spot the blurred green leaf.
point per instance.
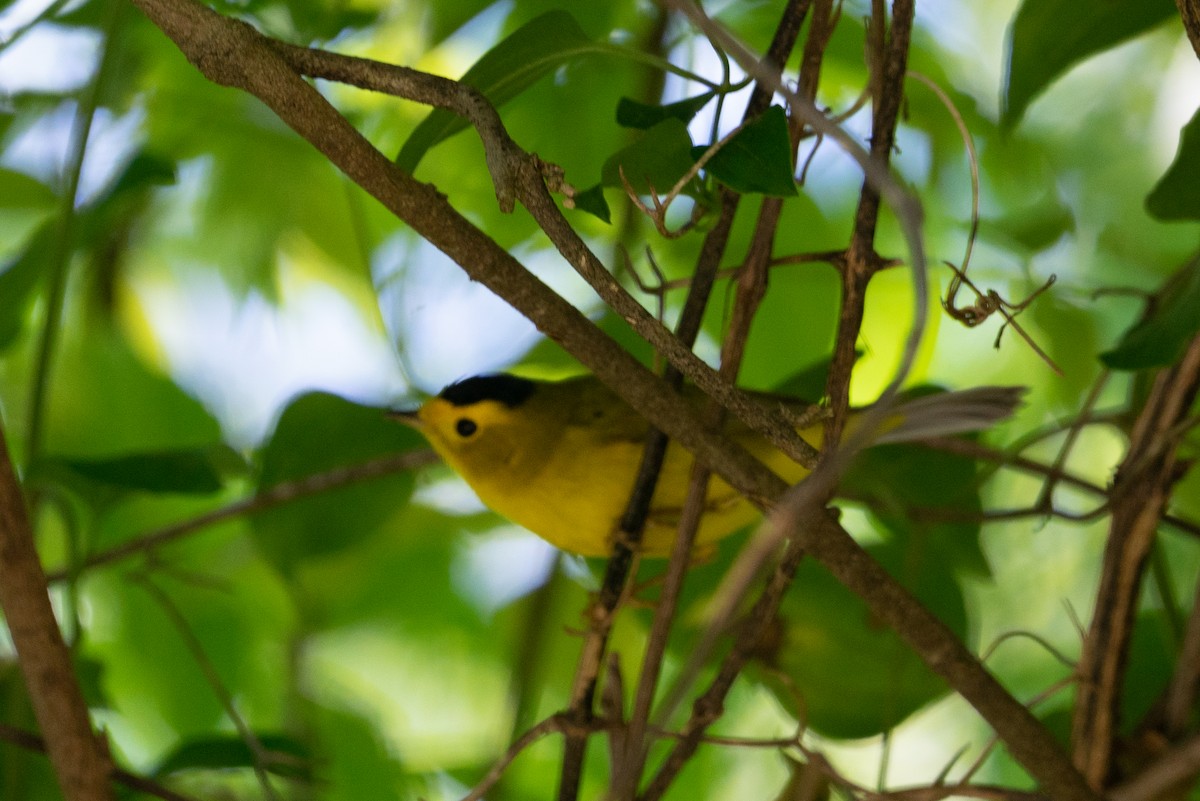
(190, 472)
(316, 433)
(21, 280)
(222, 753)
(1161, 336)
(633, 114)
(532, 51)
(856, 677)
(1145, 681)
(107, 400)
(444, 18)
(1174, 197)
(757, 159)
(1048, 37)
(19, 191)
(659, 158)
(355, 761)
(592, 201)
(927, 499)
(807, 383)
(1032, 228)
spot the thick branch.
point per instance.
(80, 759)
(234, 54)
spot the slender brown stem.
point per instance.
(80, 758)
(1140, 494)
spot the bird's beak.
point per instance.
(408, 417)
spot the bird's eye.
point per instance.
(465, 427)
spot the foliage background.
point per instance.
(195, 306)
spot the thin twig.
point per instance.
(259, 753)
(268, 499)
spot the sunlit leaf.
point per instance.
(1174, 197)
(532, 51)
(1161, 336)
(1048, 37)
(19, 191)
(758, 158)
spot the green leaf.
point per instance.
(19, 191)
(1161, 336)
(319, 432)
(222, 753)
(108, 400)
(21, 279)
(189, 472)
(632, 114)
(926, 500)
(592, 201)
(855, 677)
(1174, 197)
(659, 158)
(1048, 37)
(1031, 228)
(532, 51)
(757, 159)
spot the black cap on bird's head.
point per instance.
(500, 387)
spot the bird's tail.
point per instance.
(946, 413)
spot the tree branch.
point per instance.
(232, 53)
(79, 757)
(1139, 497)
(1189, 11)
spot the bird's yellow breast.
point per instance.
(563, 464)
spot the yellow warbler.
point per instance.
(559, 458)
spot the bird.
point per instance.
(560, 457)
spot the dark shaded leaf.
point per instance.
(592, 201)
(532, 51)
(1174, 197)
(222, 753)
(807, 383)
(1161, 336)
(1048, 37)
(856, 677)
(928, 500)
(659, 158)
(758, 158)
(317, 433)
(1031, 228)
(632, 114)
(189, 472)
